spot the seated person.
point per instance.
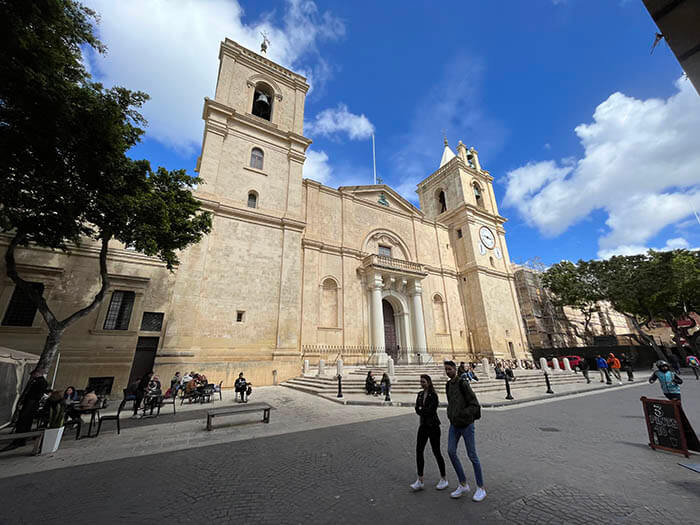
(241, 387)
(471, 375)
(70, 395)
(371, 385)
(500, 374)
(89, 400)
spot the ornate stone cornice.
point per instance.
(251, 215)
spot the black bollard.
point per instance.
(549, 387)
(340, 386)
(388, 394)
(508, 396)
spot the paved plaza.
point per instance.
(571, 460)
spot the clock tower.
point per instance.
(460, 196)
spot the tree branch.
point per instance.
(34, 296)
(100, 294)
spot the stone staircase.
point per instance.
(406, 380)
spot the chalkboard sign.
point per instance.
(668, 427)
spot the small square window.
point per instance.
(385, 251)
(239, 316)
(459, 233)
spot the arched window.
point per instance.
(262, 101)
(439, 315)
(442, 203)
(256, 158)
(252, 199)
(329, 303)
(478, 196)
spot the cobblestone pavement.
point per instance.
(578, 460)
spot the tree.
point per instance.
(64, 171)
(573, 285)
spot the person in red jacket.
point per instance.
(614, 365)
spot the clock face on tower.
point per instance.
(487, 237)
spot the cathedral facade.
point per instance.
(292, 269)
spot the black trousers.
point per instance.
(585, 374)
(630, 373)
(426, 433)
(137, 401)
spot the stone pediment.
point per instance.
(382, 195)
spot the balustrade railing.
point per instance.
(382, 261)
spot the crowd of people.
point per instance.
(372, 388)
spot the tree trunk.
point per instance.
(56, 327)
(645, 337)
(51, 346)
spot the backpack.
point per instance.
(463, 385)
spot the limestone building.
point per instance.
(292, 269)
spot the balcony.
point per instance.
(383, 263)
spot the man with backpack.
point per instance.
(694, 365)
(462, 410)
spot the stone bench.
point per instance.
(36, 435)
(239, 409)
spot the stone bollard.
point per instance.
(321, 367)
(487, 367)
(543, 364)
(339, 367)
(305, 370)
(567, 365)
(555, 364)
(390, 366)
(521, 365)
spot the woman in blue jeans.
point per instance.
(462, 410)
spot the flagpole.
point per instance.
(374, 160)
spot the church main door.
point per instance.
(390, 339)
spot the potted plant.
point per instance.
(54, 430)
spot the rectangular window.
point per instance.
(119, 313)
(239, 316)
(384, 251)
(459, 234)
(21, 310)
(152, 321)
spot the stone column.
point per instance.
(487, 367)
(419, 342)
(555, 364)
(543, 364)
(339, 367)
(375, 287)
(390, 367)
(321, 367)
(567, 365)
(305, 370)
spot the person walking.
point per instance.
(462, 410)
(694, 365)
(584, 367)
(670, 381)
(627, 366)
(614, 365)
(603, 369)
(427, 403)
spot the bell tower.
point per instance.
(460, 196)
(253, 147)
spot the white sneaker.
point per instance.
(442, 484)
(417, 485)
(461, 489)
(479, 495)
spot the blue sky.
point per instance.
(594, 142)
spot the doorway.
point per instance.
(145, 356)
(390, 340)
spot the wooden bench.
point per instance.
(239, 409)
(36, 435)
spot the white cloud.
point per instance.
(641, 165)
(317, 167)
(339, 120)
(170, 50)
(677, 243)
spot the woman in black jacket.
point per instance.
(429, 429)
